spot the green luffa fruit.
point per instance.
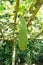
(22, 34)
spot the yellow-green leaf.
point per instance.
(1, 8)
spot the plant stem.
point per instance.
(38, 34)
(14, 43)
(13, 57)
(34, 13)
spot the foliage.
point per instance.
(24, 56)
(10, 27)
(5, 52)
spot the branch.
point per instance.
(15, 16)
(34, 13)
(31, 6)
(38, 35)
(16, 11)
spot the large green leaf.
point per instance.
(22, 34)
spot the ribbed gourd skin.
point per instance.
(22, 34)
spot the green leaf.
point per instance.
(0, 25)
(1, 8)
(22, 8)
(22, 34)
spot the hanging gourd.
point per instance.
(22, 34)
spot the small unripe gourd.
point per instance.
(22, 34)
